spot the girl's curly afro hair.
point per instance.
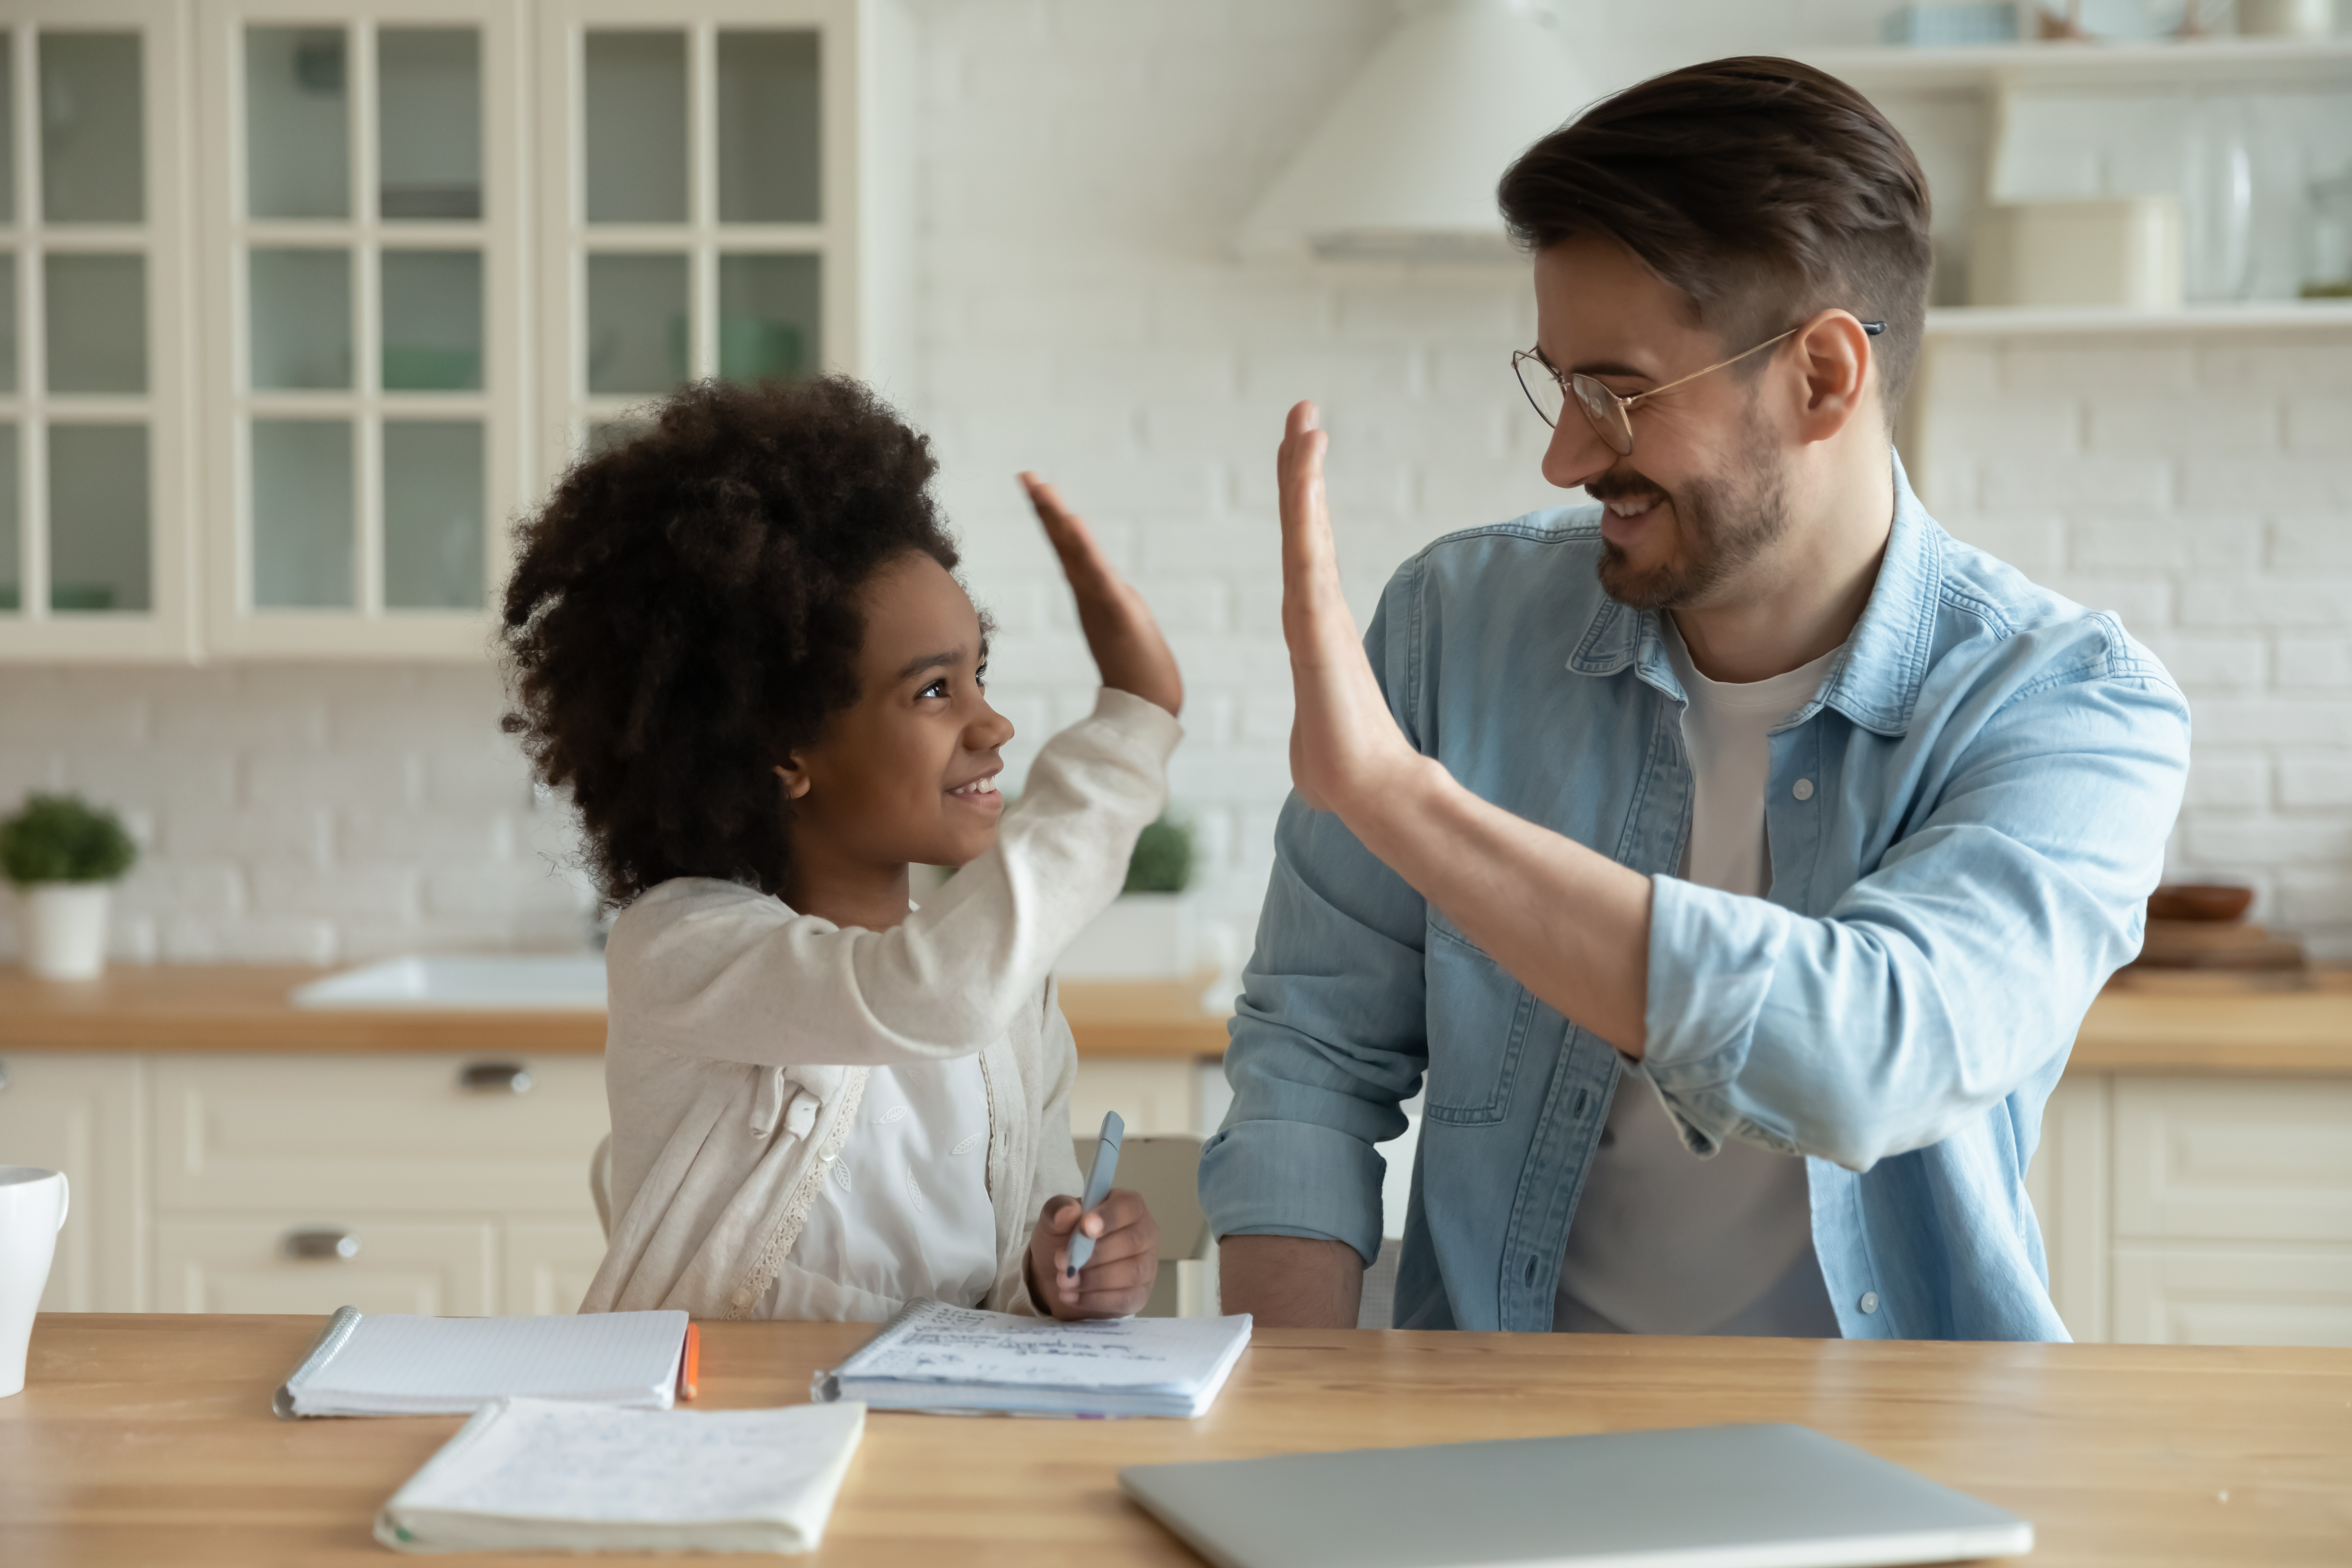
(685, 612)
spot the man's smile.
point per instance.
(1624, 518)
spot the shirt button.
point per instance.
(743, 1299)
(1803, 789)
(1869, 1302)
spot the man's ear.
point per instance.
(796, 776)
(1833, 354)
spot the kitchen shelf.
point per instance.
(2256, 315)
(2251, 62)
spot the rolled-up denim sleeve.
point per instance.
(1959, 967)
(1328, 1037)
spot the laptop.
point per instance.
(1696, 1496)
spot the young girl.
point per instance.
(739, 643)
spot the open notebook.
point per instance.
(538, 1475)
(931, 1356)
(395, 1365)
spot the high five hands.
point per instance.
(1345, 746)
(1129, 651)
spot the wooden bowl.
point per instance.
(2199, 901)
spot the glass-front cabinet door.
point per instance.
(365, 363)
(95, 474)
(703, 221)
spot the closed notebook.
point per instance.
(529, 1474)
(395, 1365)
(932, 1356)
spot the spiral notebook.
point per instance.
(395, 1365)
(961, 1361)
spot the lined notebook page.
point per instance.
(398, 1362)
(568, 1461)
(527, 1474)
(933, 1343)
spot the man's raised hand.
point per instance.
(1128, 650)
(1343, 741)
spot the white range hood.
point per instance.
(1404, 166)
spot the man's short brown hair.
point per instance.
(1763, 189)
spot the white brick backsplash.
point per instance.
(2153, 541)
(1078, 312)
(2323, 781)
(2197, 661)
(2229, 783)
(2318, 542)
(2315, 664)
(2215, 482)
(2210, 600)
(2038, 483)
(2123, 424)
(2099, 367)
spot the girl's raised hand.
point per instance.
(1125, 640)
(1117, 1280)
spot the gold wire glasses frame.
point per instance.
(1609, 415)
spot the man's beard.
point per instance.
(1721, 528)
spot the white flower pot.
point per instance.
(1142, 936)
(65, 930)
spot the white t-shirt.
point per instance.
(904, 1209)
(1664, 1242)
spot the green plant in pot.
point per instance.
(64, 855)
(1153, 931)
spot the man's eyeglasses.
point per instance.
(1611, 415)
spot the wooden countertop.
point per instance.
(243, 1007)
(145, 1439)
(2158, 1024)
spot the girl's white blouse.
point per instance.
(904, 1210)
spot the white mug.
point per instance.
(31, 1212)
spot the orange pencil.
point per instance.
(689, 1363)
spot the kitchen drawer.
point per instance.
(549, 1263)
(353, 1135)
(436, 1267)
(2233, 1159)
(2175, 1293)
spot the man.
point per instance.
(1736, 857)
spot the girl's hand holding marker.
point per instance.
(1101, 1253)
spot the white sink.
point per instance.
(489, 983)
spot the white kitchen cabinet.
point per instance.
(377, 1134)
(2211, 1293)
(430, 1267)
(2205, 1210)
(2068, 1184)
(704, 218)
(436, 248)
(549, 1264)
(85, 1116)
(366, 189)
(296, 1183)
(97, 458)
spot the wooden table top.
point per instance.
(2167, 1023)
(143, 1440)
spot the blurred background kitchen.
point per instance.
(301, 304)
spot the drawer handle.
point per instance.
(489, 1078)
(321, 1246)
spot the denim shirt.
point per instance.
(1964, 823)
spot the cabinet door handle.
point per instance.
(489, 1078)
(321, 1246)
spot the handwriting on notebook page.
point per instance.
(953, 1344)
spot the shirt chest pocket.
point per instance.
(1478, 1023)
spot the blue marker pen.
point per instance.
(1098, 1180)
